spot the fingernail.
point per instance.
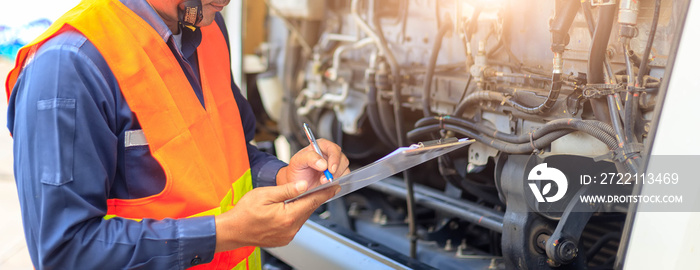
(334, 168)
(300, 186)
(337, 190)
(319, 163)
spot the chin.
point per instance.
(208, 19)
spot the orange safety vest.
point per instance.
(202, 152)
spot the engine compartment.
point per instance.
(565, 82)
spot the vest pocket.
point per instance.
(57, 134)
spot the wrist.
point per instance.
(226, 238)
(281, 177)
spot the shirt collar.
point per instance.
(190, 39)
(146, 12)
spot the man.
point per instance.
(131, 145)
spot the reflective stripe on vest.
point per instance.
(202, 152)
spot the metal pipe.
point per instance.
(367, 29)
(333, 71)
(521, 75)
(628, 12)
(469, 211)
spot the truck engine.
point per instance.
(569, 83)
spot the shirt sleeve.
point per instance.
(62, 117)
(263, 166)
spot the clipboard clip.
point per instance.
(438, 142)
(436, 145)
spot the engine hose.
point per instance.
(650, 43)
(602, 126)
(597, 129)
(547, 104)
(386, 113)
(600, 243)
(563, 19)
(428, 81)
(596, 57)
(507, 147)
(473, 188)
(628, 161)
(512, 138)
(560, 28)
(582, 126)
(395, 84)
(632, 106)
(372, 109)
(398, 117)
(500, 97)
(379, 39)
(605, 111)
(628, 119)
(477, 97)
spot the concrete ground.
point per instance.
(13, 248)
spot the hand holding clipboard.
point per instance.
(397, 161)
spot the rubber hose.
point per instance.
(628, 119)
(479, 96)
(428, 81)
(372, 110)
(548, 103)
(650, 43)
(400, 137)
(473, 188)
(597, 129)
(596, 58)
(498, 144)
(499, 97)
(631, 109)
(563, 19)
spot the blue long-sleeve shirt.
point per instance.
(68, 119)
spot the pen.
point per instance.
(312, 141)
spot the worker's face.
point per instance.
(168, 10)
(209, 9)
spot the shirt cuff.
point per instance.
(267, 175)
(197, 237)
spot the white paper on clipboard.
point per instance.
(400, 160)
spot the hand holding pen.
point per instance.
(314, 144)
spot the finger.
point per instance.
(308, 148)
(285, 192)
(310, 202)
(323, 179)
(333, 154)
(344, 165)
(346, 172)
(308, 159)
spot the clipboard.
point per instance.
(397, 161)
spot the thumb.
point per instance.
(287, 191)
